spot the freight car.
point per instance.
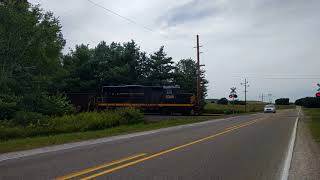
(163, 99)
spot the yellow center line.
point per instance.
(167, 151)
(99, 167)
(250, 122)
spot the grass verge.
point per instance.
(314, 125)
(214, 108)
(36, 142)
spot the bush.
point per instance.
(34, 124)
(7, 110)
(282, 101)
(54, 105)
(24, 118)
(237, 102)
(309, 102)
(130, 116)
(84, 122)
(223, 101)
(213, 111)
(8, 106)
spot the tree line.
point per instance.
(35, 74)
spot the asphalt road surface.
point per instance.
(246, 147)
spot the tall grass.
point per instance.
(314, 114)
(87, 121)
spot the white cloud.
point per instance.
(248, 38)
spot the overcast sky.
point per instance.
(272, 43)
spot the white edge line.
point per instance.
(287, 162)
(55, 148)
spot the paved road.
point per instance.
(245, 147)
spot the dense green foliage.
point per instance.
(237, 102)
(30, 52)
(185, 76)
(223, 101)
(29, 124)
(35, 74)
(282, 101)
(309, 102)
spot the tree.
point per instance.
(143, 69)
(185, 75)
(309, 102)
(223, 101)
(282, 101)
(79, 68)
(30, 52)
(31, 44)
(161, 68)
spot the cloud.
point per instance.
(190, 11)
(248, 38)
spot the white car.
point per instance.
(270, 108)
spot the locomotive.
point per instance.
(162, 99)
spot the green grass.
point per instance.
(227, 109)
(314, 125)
(28, 126)
(35, 142)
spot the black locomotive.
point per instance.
(163, 99)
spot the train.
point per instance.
(161, 99)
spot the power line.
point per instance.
(121, 16)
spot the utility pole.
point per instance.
(262, 98)
(199, 90)
(246, 85)
(270, 98)
(198, 71)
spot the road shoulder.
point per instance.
(306, 156)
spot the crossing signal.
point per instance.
(233, 93)
(233, 96)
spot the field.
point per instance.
(213, 108)
(314, 125)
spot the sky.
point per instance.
(273, 44)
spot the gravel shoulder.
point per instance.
(305, 163)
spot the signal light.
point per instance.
(318, 94)
(233, 96)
